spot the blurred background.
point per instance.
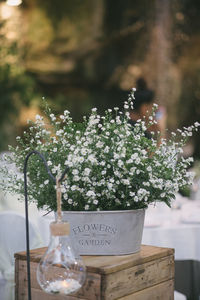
(89, 53)
(83, 54)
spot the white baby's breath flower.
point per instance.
(87, 171)
(59, 132)
(90, 194)
(92, 158)
(117, 201)
(106, 150)
(109, 185)
(126, 181)
(129, 161)
(75, 172)
(54, 170)
(52, 116)
(84, 151)
(76, 178)
(132, 194)
(65, 196)
(38, 117)
(118, 120)
(73, 187)
(120, 163)
(136, 199)
(116, 156)
(111, 164)
(99, 144)
(80, 159)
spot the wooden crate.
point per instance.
(146, 275)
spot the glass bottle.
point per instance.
(61, 270)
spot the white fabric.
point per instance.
(9, 202)
(12, 234)
(177, 228)
(12, 240)
(179, 296)
(195, 195)
(43, 223)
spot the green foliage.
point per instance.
(111, 165)
(185, 192)
(189, 104)
(16, 86)
(74, 10)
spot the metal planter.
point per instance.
(106, 232)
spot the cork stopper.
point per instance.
(59, 228)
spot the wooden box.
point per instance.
(146, 275)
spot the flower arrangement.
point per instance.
(112, 165)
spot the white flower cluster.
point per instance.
(111, 165)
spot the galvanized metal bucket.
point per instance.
(106, 232)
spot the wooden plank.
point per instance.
(109, 264)
(161, 291)
(40, 295)
(35, 254)
(16, 279)
(136, 278)
(91, 289)
(112, 277)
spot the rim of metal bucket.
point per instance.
(104, 211)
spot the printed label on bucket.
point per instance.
(106, 233)
(94, 234)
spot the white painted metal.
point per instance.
(106, 232)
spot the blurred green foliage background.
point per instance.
(80, 54)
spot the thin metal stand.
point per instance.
(26, 209)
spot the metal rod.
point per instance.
(63, 174)
(27, 231)
(26, 212)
